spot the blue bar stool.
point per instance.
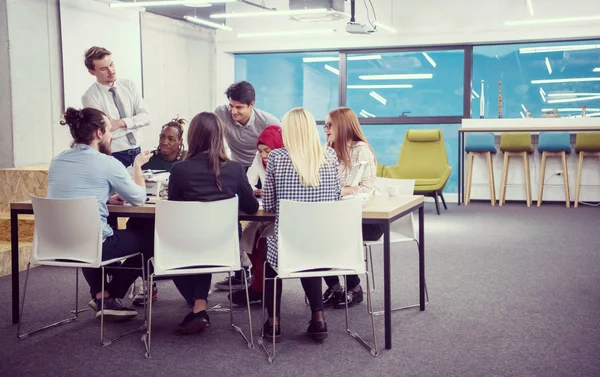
(480, 144)
(554, 144)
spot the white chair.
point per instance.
(197, 238)
(402, 230)
(68, 233)
(322, 236)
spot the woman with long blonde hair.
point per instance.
(304, 171)
(345, 136)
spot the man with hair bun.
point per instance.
(120, 100)
(88, 170)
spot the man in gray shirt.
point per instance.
(243, 122)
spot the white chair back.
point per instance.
(66, 231)
(196, 234)
(390, 187)
(315, 235)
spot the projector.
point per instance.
(356, 28)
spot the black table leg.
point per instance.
(14, 255)
(421, 259)
(387, 294)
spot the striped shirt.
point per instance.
(283, 183)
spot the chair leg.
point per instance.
(443, 200)
(578, 183)
(470, 159)
(527, 179)
(542, 177)
(563, 157)
(491, 178)
(52, 325)
(437, 203)
(148, 336)
(373, 350)
(504, 178)
(250, 343)
(270, 358)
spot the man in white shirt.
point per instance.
(120, 100)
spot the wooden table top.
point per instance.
(377, 208)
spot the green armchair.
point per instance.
(423, 158)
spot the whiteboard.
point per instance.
(87, 23)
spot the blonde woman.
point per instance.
(305, 171)
(346, 138)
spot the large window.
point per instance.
(286, 80)
(412, 84)
(539, 78)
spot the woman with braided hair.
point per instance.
(170, 147)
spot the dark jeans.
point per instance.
(312, 289)
(193, 287)
(121, 243)
(371, 232)
(127, 156)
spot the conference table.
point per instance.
(379, 210)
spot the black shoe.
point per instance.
(317, 329)
(353, 298)
(114, 310)
(268, 333)
(194, 323)
(239, 297)
(329, 298)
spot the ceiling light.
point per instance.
(426, 55)
(318, 59)
(551, 20)
(543, 94)
(363, 115)
(284, 33)
(524, 108)
(571, 94)
(398, 76)
(548, 66)
(271, 13)
(530, 7)
(332, 69)
(201, 5)
(522, 115)
(554, 81)
(160, 3)
(474, 93)
(393, 86)
(378, 97)
(596, 69)
(367, 113)
(200, 21)
(545, 49)
(385, 27)
(576, 99)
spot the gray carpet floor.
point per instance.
(514, 291)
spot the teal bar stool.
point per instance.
(554, 144)
(480, 144)
(587, 144)
(514, 144)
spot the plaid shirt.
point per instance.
(282, 182)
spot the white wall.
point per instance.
(6, 144)
(179, 72)
(36, 82)
(179, 64)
